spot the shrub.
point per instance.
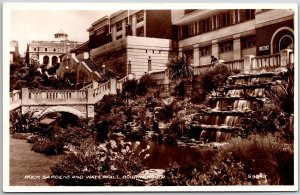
(263, 154)
(114, 159)
(48, 146)
(214, 78)
(269, 119)
(241, 162)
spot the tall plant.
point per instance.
(180, 70)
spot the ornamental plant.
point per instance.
(109, 163)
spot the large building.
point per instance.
(139, 41)
(232, 34)
(48, 52)
(134, 41)
(14, 50)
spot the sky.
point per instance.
(26, 26)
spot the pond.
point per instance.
(162, 154)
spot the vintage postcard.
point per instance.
(150, 97)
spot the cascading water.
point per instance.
(241, 105)
(231, 121)
(258, 92)
(235, 92)
(218, 105)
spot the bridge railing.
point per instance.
(15, 99)
(57, 94)
(101, 88)
(268, 61)
(121, 82)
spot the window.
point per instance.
(226, 46)
(119, 26)
(140, 17)
(119, 37)
(247, 14)
(189, 53)
(248, 42)
(45, 49)
(100, 31)
(54, 50)
(205, 51)
(190, 30)
(140, 32)
(34, 49)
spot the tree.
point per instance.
(129, 90)
(180, 70)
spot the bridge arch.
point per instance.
(59, 109)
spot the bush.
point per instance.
(214, 78)
(257, 160)
(269, 119)
(114, 159)
(48, 146)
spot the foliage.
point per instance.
(110, 161)
(49, 146)
(180, 68)
(239, 163)
(107, 103)
(214, 78)
(177, 127)
(283, 94)
(269, 119)
(145, 82)
(275, 157)
(25, 123)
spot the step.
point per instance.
(225, 113)
(256, 75)
(249, 86)
(221, 128)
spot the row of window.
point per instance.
(46, 49)
(220, 20)
(139, 33)
(227, 46)
(139, 18)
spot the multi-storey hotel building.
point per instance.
(139, 41)
(233, 34)
(134, 41)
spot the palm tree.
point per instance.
(180, 70)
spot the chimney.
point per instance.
(86, 55)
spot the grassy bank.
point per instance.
(25, 162)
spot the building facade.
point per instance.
(232, 34)
(134, 41)
(48, 52)
(139, 41)
(14, 50)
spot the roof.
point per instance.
(47, 121)
(81, 48)
(60, 31)
(91, 65)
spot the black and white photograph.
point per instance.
(150, 97)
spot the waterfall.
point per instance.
(231, 120)
(203, 135)
(218, 105)
(235, 92)
(218, 135)
(258, 92)
(222, 136)
(241, 105)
